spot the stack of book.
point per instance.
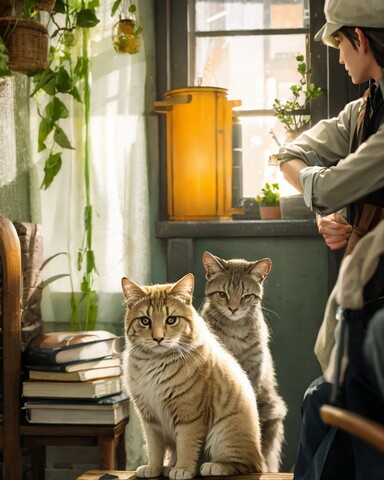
(74, 378)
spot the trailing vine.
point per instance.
(67, 77)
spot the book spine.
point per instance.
(38, 356)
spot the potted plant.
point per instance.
(126, 32)
(269, 201)
(294, 113)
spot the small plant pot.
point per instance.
(126, 36)
(270, 213)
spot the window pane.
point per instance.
(254, 69)
(214, 15)
(257, 146)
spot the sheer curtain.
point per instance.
(119, 176)
(119, 179)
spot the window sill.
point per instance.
(237, 228)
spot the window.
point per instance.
(249, 47)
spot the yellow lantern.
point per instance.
(199, 153)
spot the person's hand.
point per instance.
(335, 230)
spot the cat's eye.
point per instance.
(145, 321)
(248, 296)
(171, 320)
(222, 294)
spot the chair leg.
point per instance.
(106, 453)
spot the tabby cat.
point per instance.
(195, 403)
(232, 308)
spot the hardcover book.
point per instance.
(105, 411)
(89, 389)
(79, 376)
(64, 347)
(79, 366)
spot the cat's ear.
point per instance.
(261, 268)
(212, 264)
(132, 292)
(184, 288)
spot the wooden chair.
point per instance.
(10, 441)
(14, 431)
(361, 427)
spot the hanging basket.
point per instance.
(45, 5)
(26, 42)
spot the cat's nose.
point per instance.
(232, 310)
(158, 340)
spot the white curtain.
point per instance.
(119, 179)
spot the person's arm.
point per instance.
(329, 185)
(291, 171)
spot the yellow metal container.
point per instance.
(199, 152)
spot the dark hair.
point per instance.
(375, 38)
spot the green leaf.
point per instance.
(45, 80)
(51, 169)
(79, 67)
(56, 109)
(45, 128)
(4, 59)
(115, 7)
(60, 6)
(75, 94)
(79, 260)
(63, 80)
(61, 138)
(29, 8)
(85, 285)
(90, 261)
(86, 18)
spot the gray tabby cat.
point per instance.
(232, 308)
(194, 400)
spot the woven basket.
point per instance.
(46, 5)
(26, 42)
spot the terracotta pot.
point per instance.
(270, 213)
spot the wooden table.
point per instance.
(96, 474)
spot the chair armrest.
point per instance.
(357, 425)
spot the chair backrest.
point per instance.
(11, 349)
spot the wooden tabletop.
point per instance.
(98, 475)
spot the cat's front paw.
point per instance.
(180, 473)
(211, 469)
(149, 471)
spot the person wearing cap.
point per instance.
(338, 165)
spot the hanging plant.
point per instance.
(24, 38)
(67, 77)
(126, 32)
